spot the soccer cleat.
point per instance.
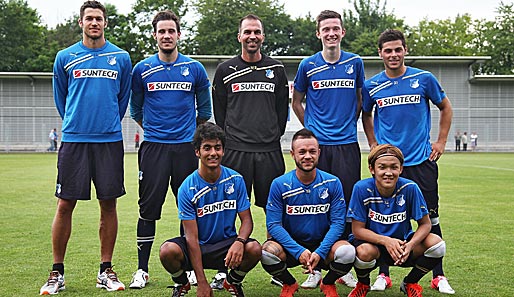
(275, 281)
(217, 281)
(441, 283)
(347, 280)
(289, 290)
(139, 279)
(312, 281)
(412, 290)
(180, 290)
(234, 289)
(53, 285)
(360, 290)
(382, 282)
(191, 277)
(109, 280)
(329, 290)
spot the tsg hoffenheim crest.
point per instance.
(229, 188)
(184, 70)
(323, 193)
(400, 200)
(348, 69)
(111, 60)
(270, 74)
(414, 83)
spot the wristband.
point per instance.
(241, 240)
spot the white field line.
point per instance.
(483, 167)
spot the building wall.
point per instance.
(27, 111)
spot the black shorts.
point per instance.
(213, 255)
(291, 261)
(385, 258)
(161, 166)
(426, 175)
(259, 169)
(343, 161)
(80, 163)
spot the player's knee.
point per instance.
(344, 254)
(169, 250)
(364, 264)
(268, 258)
(253, 249)
(438, 250)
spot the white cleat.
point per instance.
(139, 279)
(348, 280)
(313, 281)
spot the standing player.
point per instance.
(170, 95)
(401, 97)
(91, 92)
(331, 81)
(381, 209)
(305, 218)
(208, 202)
(251, 102)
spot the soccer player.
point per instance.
(208, 202)
(305, 217)
(331, 82)
(170, 96)
(91, 88)
(381, 209)
(401, 96)
(251, 101)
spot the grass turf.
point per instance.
(475, 209)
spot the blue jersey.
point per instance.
(91, 91)
(313, 213)
(331, 96)
(402, 111)
(388, 216)
(213, 206)
(165, 96)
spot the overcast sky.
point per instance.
(56, 11)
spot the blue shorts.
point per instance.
(213, 255)
(80, 163)
(426, 175)
(161, 166)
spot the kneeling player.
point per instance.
(381, 209)
(208, 202)
(305, 217)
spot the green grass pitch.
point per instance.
(477, 218)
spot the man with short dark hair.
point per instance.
(305, 218)
(170, 96)
(209, 201)
(91, 92)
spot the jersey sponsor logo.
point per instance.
(295, 210)
(398, 100)
(95, 73)
(333, 84)
(253, 87)
(387, 219)
(216, 207)
(169, 86)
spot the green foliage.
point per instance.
(21, 37)
(365, 25)
(303, 40)
(218, 25)
(497, 40)
(444, 37)
(475, 209)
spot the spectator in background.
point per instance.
(136, 140)
(464, 140)
(473, 139)
(458, 138)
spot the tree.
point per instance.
(444, 37)
(496, 39)
(302, 39)
(21, 36)
(364, 27)
(217, 29)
